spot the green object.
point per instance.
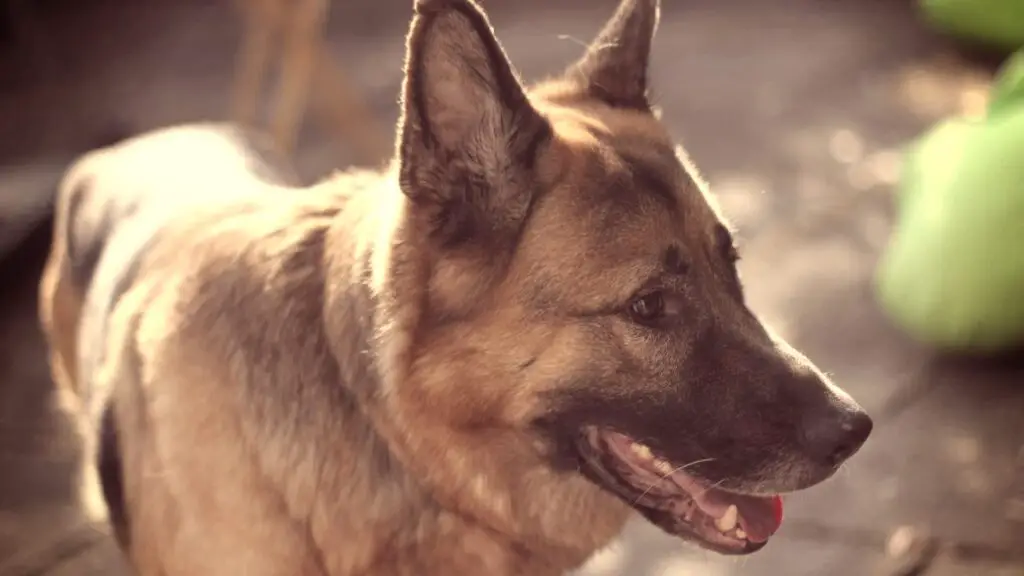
(997, 23)
(953, 272)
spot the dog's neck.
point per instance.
(373, 360)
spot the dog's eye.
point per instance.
(648, 307)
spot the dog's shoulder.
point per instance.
(242, 282)
(229, 334)
(179, 218)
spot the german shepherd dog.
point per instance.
(480, 360)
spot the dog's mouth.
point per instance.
(674, 499)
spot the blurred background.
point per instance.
(798, 113)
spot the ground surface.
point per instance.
(795, 111)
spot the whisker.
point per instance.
(685, 466)
(712, 487)
(678, 469)
(572, 39)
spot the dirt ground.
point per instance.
(796, 111)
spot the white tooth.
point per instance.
(662, 466)
(728, 520)
(641, 450)
(741, 534)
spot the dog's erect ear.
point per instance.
(614, 68)
(468, 134)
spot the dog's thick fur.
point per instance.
(388, 373)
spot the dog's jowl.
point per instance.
(479, 360)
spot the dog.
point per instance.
(293, 30)
(480, 360)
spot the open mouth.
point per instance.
(674, 499)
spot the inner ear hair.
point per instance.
(468, 134)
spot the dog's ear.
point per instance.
(614, 68)
(468, 134)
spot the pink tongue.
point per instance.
(759, 517)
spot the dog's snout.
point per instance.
(832, 439)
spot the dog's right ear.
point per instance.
(468, 134)
(614, 68)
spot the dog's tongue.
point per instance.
(759, 517)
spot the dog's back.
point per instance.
(130, 190)
(111, 204)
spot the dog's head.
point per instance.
(564, 287)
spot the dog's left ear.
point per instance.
(468, 135)
(614, 68)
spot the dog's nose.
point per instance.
(831, 440)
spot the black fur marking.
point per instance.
(109, 467)
(84, 245)
(674, 261)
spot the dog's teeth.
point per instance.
(663, 467)
(728, 520)
(641, 450)
(741, 534)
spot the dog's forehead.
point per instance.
(622, 174)
(618, 201)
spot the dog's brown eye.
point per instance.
(648, 307)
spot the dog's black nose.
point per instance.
(831, 439)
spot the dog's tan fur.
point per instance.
(332, 381)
